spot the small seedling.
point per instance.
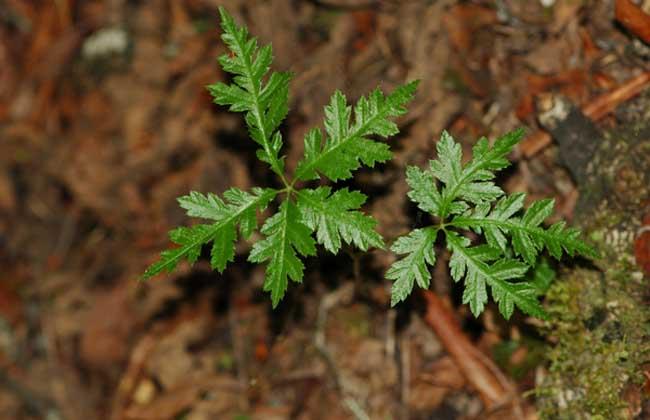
(469, 200)
(331, 215)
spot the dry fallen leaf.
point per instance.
(107, 328)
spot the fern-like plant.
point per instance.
(333, 216)
(469, 200)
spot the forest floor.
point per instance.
(105, 120)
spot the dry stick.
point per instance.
(633, 18)
(606, 103)
(405, 379)
(481, 373)
(596, 109)
(342, 295)
(130, 378)
(240, 355)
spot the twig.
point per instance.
(390, 342)
(238, 350)
(481, 373)
(129, 380)
(595, 109)
(405, 377)
(355, 408)
(606, 103)
(356, 270)
(342, 295)
(634, 19)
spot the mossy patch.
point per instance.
(597, 324)
(600, 323)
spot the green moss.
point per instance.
(600, 323)
(595, 323)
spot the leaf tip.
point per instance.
(225, 17)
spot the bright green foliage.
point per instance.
(482, 265)
(347, 144)
(334, 216)
(265, 104)
(305, 216)
(528, 237)
(418, 248)
(469, 200)
(541, 276)
(240, 208)
(286, 235)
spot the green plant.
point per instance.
(469, 200)
(332, 216)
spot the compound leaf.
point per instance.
(240, 208)
(423, 191)
(265, 105)
(474, 264)
(347, 145)
(470, 183)
(286, 237)
(528, 237)
(418, 248)
(334, 218)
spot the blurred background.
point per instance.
(105, 120)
